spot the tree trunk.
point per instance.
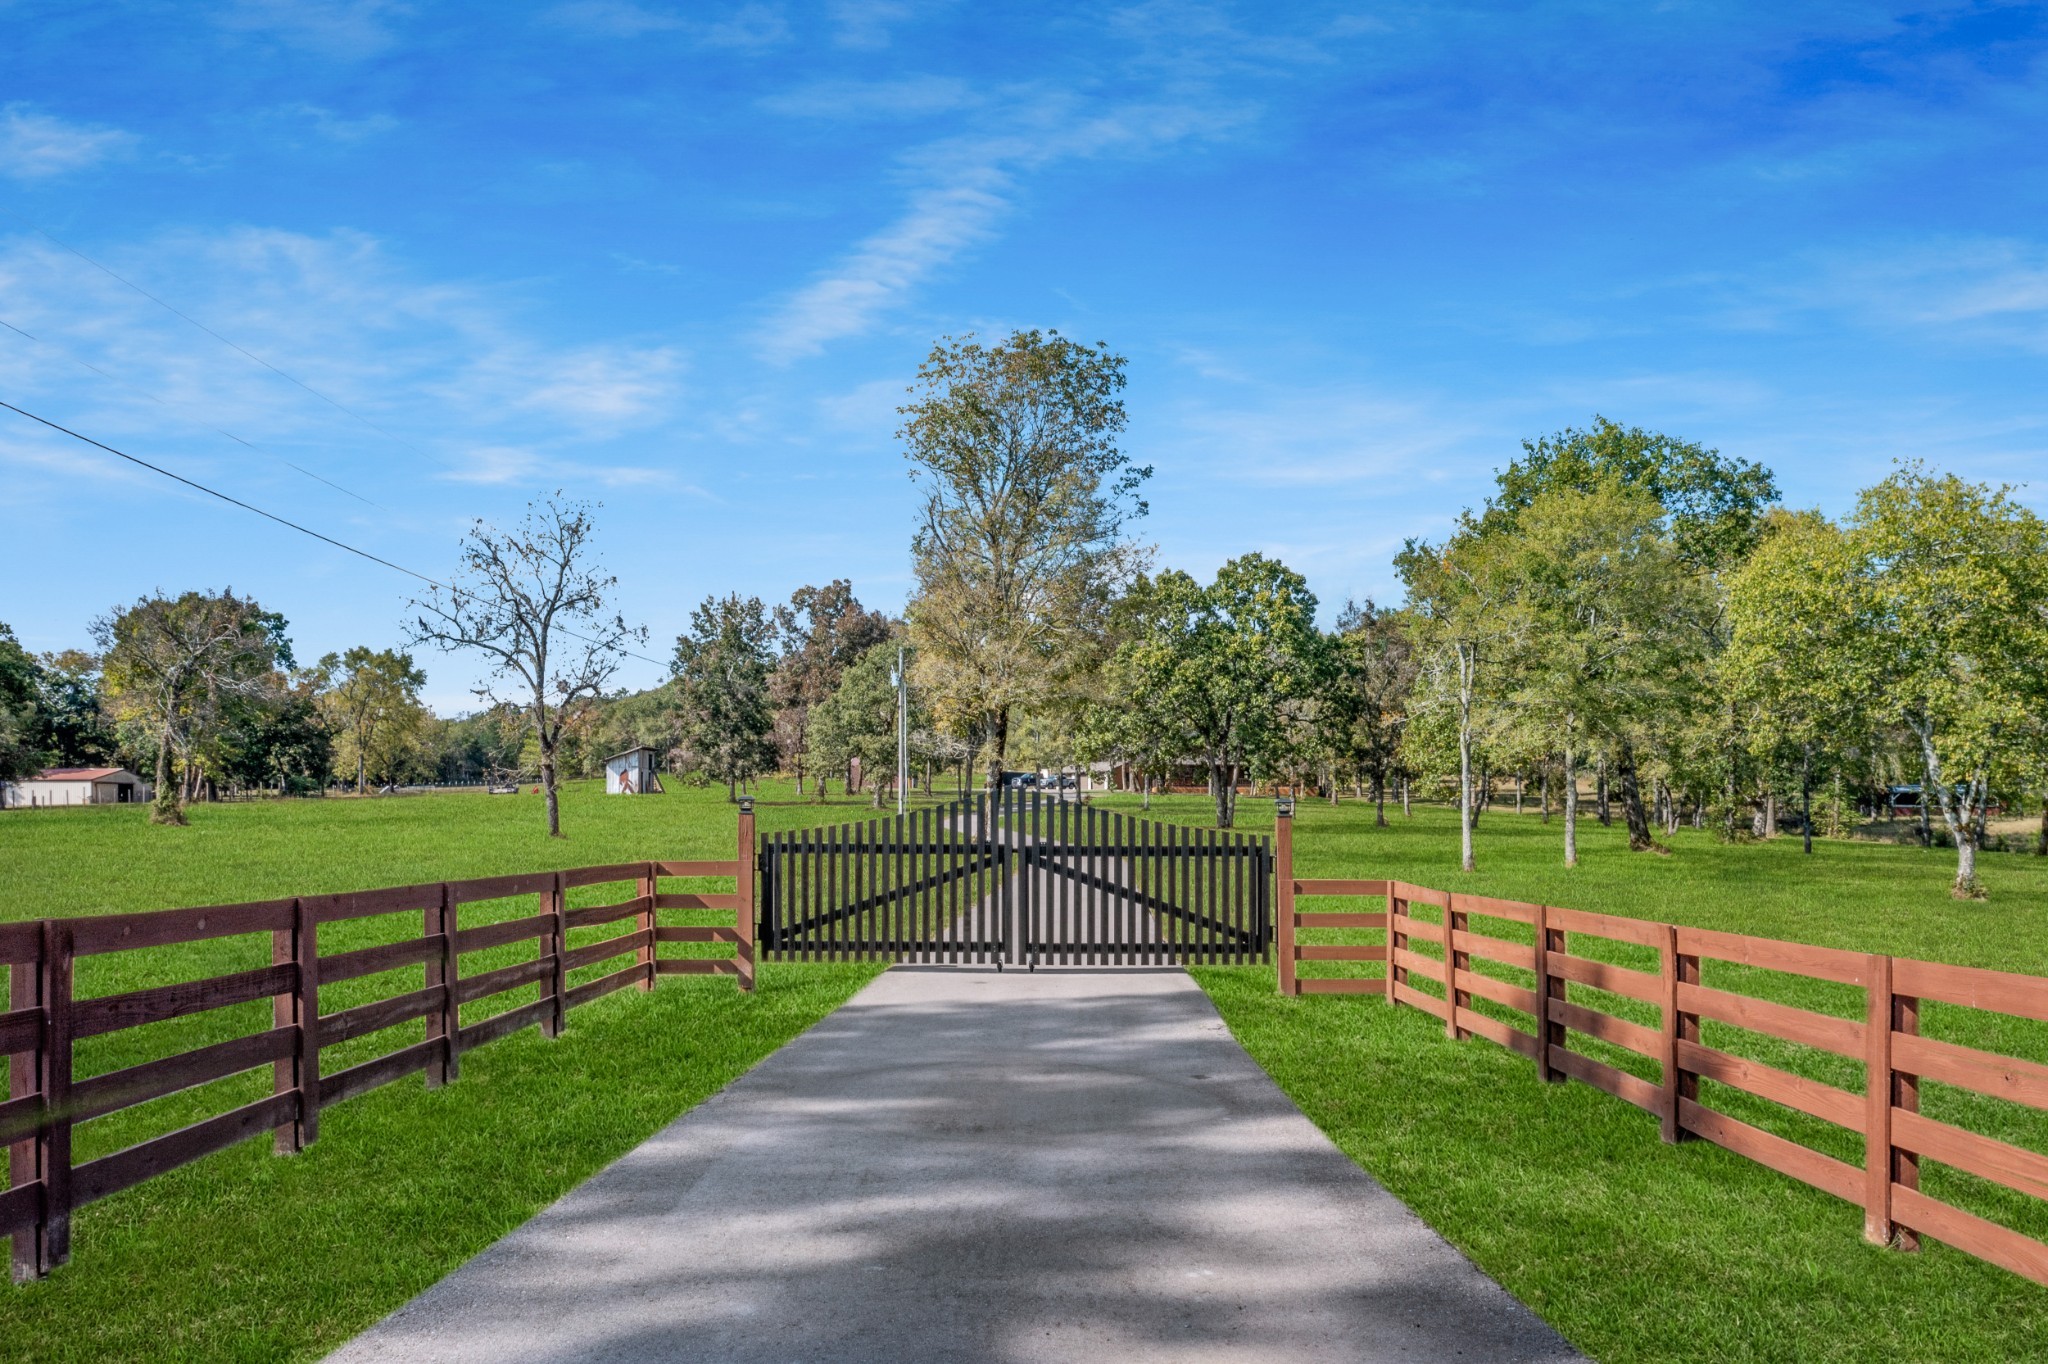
(1148, 792)
(166, 809)
(998, 746)
(732, 793)
(362, 768)
(1571, 807)
(1465, 798)
(1606, 812)
(1806, 798)
(1521, 784)
(1379, 796)
(548, 792)
(1546, 794)
(2041, 843)
(1639, 839)
(1406, 811)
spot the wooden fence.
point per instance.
(45, 1018)
(1440, 947)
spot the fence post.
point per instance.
(1877, 1101)
(443, 969)
(1451, 996)
(744, 919)
(299, 1072)
(44, 1156)
(1283, 862)
(556, 945)
(1397, 904)
(1667, 971)
(48, 1242)
(1904, 1166)
(644, 958)
(1552, 987)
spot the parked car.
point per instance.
(1020, 781)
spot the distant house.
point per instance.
(632, 773)
(79, 786)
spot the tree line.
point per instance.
(1628, 617)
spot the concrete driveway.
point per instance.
(963, 1164)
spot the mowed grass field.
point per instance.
(1636, 1250)
(250, 1256)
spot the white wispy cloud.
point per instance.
(443, 366)
(906, 97)
(333, 126)
(865, 25)
(346, 29)
(750, 27)
(1970, 290)
(961, 188)
(37, 146)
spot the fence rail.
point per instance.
(1432, 940)
(45, 1018)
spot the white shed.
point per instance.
(80, 786)
(632, 773)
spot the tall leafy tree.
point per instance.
(1611, 631)
(20, 688)
(1375, 666)
(818, 635)
(1956, 624)
(859, 720)
(1715, 503)
(1795, 660)
(371, 699)
(1469, 627)
(1215, 665)
(534, 601)
(722, 670)
(71, 713)
(1019, 548)
(172, 665)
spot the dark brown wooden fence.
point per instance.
(1433, 937)
(45, 1018)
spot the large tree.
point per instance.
(1612, 632)
(534, 601)
(1019, 548)
(1715, 503)
(721, 670)
(173, 665)
(818, 635)
(1215, 666)
(1795, 661)
(1955, 623)
(1375, 665)
(20, 688)
(859, 720)
(371, 698)
(1469, 628)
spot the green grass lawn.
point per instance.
(249, 1256)
(1636, 1250)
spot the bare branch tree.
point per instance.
(533, 600)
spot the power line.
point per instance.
(219, 431)
(231, 500)
(109, 273)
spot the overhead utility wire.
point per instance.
(338, 406)
(293, 525)
(219, 431)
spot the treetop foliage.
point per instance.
(1715, 503)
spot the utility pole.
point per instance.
(902, 681)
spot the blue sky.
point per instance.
(682, 259)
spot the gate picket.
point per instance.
(1016, 877)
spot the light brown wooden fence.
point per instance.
(1432, 938)
(46, 1018)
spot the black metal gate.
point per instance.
(1019, 878)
